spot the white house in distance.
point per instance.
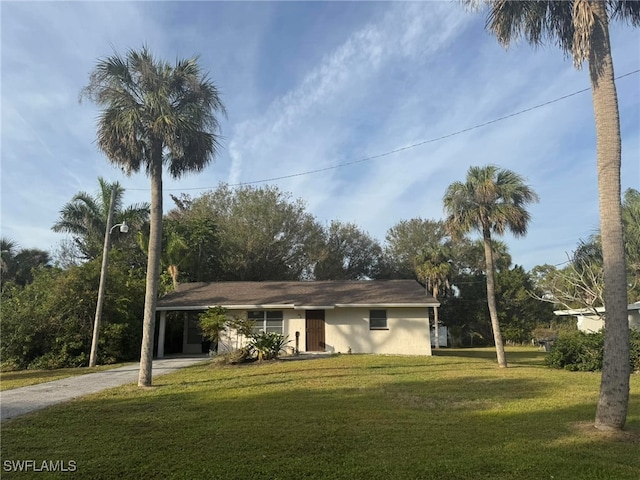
(377, 316)
(591, 322)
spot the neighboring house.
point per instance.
(377, 316)
(591, 322)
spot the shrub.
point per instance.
(241, 355)
(49, 322)
(579, 351)
(268, 345)
(635, 351)
(213, 323)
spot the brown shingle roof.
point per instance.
(299, 294)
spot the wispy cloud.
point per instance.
(398, 75)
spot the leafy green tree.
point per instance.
(48, 322)
(197, 226)
(155, 114)
(85, 218)
(263, 234)
(408, 243)
(491, 201)
(581, 29)
(347, 253)
(519, 313)
(468, 255)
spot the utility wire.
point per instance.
(402, 149)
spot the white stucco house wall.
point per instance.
(377, 316)
(590, 321)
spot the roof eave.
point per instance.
(388, 305)
(165, 308)
(228, 307)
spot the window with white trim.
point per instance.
(378, 320)
(266, 320)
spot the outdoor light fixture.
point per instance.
(124, 228)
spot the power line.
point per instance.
(397, 150)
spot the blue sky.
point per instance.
(310, 85)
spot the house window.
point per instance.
(266, 320)
(378, 320)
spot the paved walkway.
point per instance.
(19, 401)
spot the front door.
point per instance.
(315, 330)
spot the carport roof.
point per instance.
(302, 294)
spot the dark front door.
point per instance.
(315, 330)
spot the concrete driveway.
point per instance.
(19, 401)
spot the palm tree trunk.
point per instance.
(174, 271)
(614, 385)
(153, 270)
(435, 317)
(491, 299)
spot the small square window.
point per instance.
(377, 320)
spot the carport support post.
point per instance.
(161, 330)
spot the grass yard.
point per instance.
(24, 378)
(451, 416)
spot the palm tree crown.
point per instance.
(153, 110)
(492, 199)
(85, 217)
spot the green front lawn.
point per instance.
(451, 416)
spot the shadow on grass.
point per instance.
(521, 357)
(354, 426)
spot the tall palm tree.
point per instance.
(492, 200)
(85, 217)
(581, 29)
(435, 270)
(154, 114)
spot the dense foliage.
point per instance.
(48, 323)
(17, 264)
(579, 351)
(250, 233)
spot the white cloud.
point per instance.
(406, 73)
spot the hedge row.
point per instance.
(579, 351)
